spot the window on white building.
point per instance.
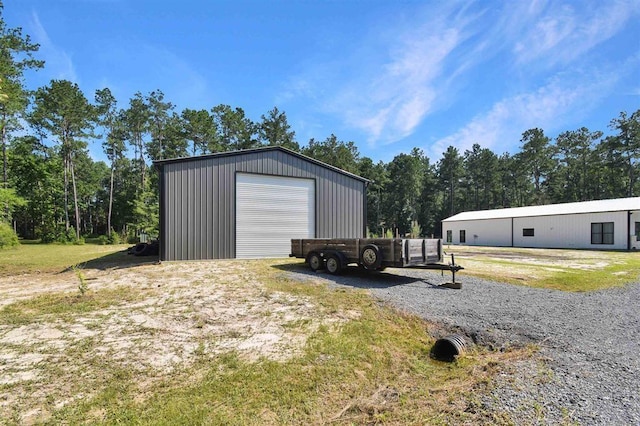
(602, 233)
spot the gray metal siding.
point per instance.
(198, 217)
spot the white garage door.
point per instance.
(270, 211)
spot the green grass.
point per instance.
(615, 275)
(64, 306)
(30, 257)
(566, 270)
(375, 368)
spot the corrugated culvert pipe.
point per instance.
(448, 348)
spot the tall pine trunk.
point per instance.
(3, 135)
(66, 192)
(75, 199)
(143, 168)
(110, 200)
(5, 179)
(630, 168)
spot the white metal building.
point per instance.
(598, 225)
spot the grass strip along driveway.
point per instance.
(221, 342)
(230, 341)
(557, 269)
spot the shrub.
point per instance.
(48, 237)
(69, 236)
(113, 238)
(8, 237)
(132, 238)
(57, 234)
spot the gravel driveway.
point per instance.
(588, 370)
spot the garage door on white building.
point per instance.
(270, 211)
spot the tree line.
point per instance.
(54, 191)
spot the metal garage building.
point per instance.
(599, 225)
(250, 203)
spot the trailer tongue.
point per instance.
(374, 254)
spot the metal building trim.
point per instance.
(258, 150)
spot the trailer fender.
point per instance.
(371, 257)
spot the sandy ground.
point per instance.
(180, 311)
(523, 264)
(172, 315)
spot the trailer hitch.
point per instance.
(453, 268)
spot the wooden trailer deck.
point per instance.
(334, 254)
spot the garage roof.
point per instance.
(257, 150)
(599, 206)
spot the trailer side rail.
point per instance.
(373, 254)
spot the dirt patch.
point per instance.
(514, 262)
(185, 312)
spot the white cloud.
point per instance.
(430, 64)
(302, 86)
(57, 61)
(390, 104)
(561, 33)
(386, 83)
(549, 107)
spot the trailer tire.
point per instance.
(315, 261)
(370, 257)
(140, 249)
(334, 264)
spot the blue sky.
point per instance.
(387, 75)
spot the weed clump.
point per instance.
(82, 287)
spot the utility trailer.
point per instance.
(374, 254)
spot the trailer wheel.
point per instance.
(140, 249)
(370, 257)
(315, 261)
(334, 264)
